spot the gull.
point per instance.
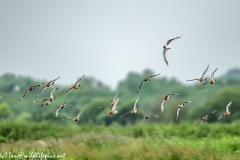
(181, 105)
(212, 81)
(166, 98)
(51, 98)
(62, 106)
(203, 119)
(112, 102)
(146, 79)
(74, 119)
(44, 102)
(48, 84)
(166, 47)
(30, 89)
(76, 85)
(147, 116)
(113, 110)
(227, 111)
(202, 78)
(134, 111)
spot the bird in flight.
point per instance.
(147, 116)
(134, 110)
(227, 111)
(181, 105)
(29, 89)
(74, 119)
(113, 110)
(48, 84)
(202, 78)
(44, 102)
(145, 80)
(203, 119)
(76, 85)
(166, 47)
(166, 98)
(62, 106)
(51, 98)
(212, 81)
(112, 102)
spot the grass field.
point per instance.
(147, 141)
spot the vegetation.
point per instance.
(171, 141)
(95, 94)
(29, 127)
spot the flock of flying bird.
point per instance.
(114, 102)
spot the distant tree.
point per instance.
(5, 111)
(232, 81)
(219, 102)
(27, 117)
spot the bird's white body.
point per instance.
(167, 47)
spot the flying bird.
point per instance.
(43, 102)
(202, 78)
(30, 89)
(166, 98)
(76, 85)
(62, 106)
(112, 102)
(74, 119)
(145, 80)
(48, 84)
(166, 47)
(212, 81)
(203, 119)
(148, 116)
(51, 98)
(181, 105)
(134, 110)
(227, 111)
(113, 110)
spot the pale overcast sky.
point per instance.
(106, 38)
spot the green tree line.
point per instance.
(95, 94)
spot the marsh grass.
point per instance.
(108, 146)
(163, 142)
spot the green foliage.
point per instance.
(24, 130)
(115, 137)
(219, 102)
(94, 94)
(147, 141)
(24, 117)
(5, 111)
